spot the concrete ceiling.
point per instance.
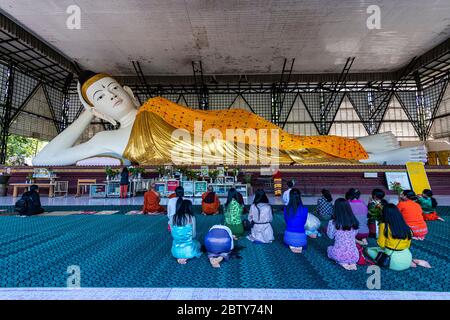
(236, 37)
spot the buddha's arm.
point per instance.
(60, 151)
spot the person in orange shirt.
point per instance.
(412, 213)
(151, 202)
(210, 202)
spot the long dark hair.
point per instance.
(352, 194)
(343, 216)
(394, 221)
(327, 195)
(184, 213)
(232, 194)
(429, 194)
(411, 195)
(124, 170)
(179, 192)
(260, 197)
(295, 201)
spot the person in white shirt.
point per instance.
(290, 185)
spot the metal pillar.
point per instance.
(6, 116)
(142, 80)
(279, 92)
(66, 105)
(200, 86)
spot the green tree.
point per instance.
(21, 148)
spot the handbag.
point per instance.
(247, 224)
(383, 259)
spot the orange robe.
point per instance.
(210, 208)
(151, 203)
(412, 214)
(151, 141)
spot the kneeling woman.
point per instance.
(233, 214)
(219, 245)
(261, 215)
(343, 228)
(394, 239)
(184, 246)
(295, 215)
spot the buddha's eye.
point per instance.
(100, 97)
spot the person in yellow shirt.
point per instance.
(394, 239)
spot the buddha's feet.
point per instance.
(378, 143)
(399, 156)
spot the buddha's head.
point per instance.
(106, 96)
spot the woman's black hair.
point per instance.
(210, 197)
(327, 195)
(343, 216)
(183, 214)
(378, 194)
(394, 221)
(232, 194)
(179, 192)
(352, 194)
(411, 195)
(260, 197)
(295, 201)
(125, 169)
(429, 194)
(290, 184)
(34, 188)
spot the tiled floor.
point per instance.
(211, 294)
(73, 201)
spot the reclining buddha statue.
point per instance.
(163, 132)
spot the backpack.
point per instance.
(21, 205)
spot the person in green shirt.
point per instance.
(428, 205)
(233, 212)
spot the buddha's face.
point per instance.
(110, 98)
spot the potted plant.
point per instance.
(396, 186)
(213, 174)
(110, 173)
(30, 178)
(235, 172)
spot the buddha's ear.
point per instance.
(133, 98)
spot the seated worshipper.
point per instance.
(151, 202)
(290, 185)
(184, 245)
(375, 209)
(324, 207)
(428, 205)
(295, 216)
(343, 228)
(30, 202)
(360, 211)
(261, 217)
(412, 213)
(233, 212)
(219, 245)
(394, 239)
(174, 203)
(210, 202)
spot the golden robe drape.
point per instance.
(152, 142)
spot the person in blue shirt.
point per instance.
(295, 215)
(184, 245)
